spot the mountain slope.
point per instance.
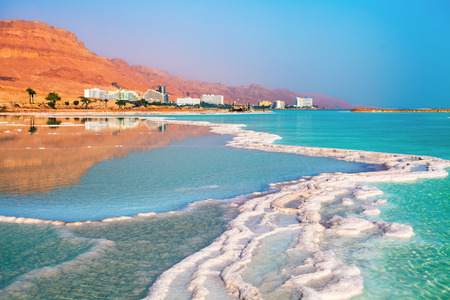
(46, 58)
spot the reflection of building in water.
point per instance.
(62, 159)
(153, 124)
(116, 123)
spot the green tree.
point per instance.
(141, 102)
(76, 102)
(86, 101)
(106, 102)
(31, 94)
(121, 103)
(52, 98)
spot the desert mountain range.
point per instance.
(45, 58)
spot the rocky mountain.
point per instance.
(46, 58)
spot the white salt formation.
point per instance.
(218, 271)
(324, 268)
(347, 201)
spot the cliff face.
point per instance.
(46, 58)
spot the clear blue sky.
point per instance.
(392, 53)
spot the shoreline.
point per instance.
(232, 251)
(99, 113)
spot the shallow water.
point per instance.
(88, 169)
(417, 268)
(121, 260)
(116, 260)
(152, 179)
(406, 133)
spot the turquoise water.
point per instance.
(121, 260)
(416, 268)
(406, 133)
(167, 179)
(102, 261)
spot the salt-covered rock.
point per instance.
(366, 191)
(396, 230)
(310, 237)
(347, 201)
(324, 276)
(380, 201)
(349, 226)
(370, 210)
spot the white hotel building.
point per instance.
(279, 104)
(213, 99)
(188, 101)
(97, 93)
(303, 102)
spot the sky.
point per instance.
(388, 53)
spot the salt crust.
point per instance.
(339, 281)
(347, 201)
(323, 275)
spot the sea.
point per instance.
(185, 181)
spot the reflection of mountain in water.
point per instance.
(50, 156)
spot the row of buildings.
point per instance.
(299, 103)
(210, 99)
(159, 95)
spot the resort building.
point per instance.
(188, 101)
(303, 102)
(279, 104)
(264, 103)
(125, 95)
(213, 99)
(157, 95)
(97, 93)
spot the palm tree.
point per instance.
(31, 94)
